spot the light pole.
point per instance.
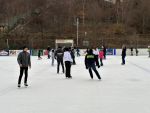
(7, 43)
(83, 11)
(77, 32)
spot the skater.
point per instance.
(137, 51)
(90, 64)
(48, 51)
(59, 56)
(101, 56)
(78, 52)
(73, 55)
(39, 55)
(87, 50)
(68, 60)
(123, 54)
(131, 51)
(96, 53)
(53, 56)
(104, 50)
(149, 50)
(24, 62)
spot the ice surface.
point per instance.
(123, 89)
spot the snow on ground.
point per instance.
(123, 89)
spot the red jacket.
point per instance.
(101, 54)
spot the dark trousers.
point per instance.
(25, 71)
(101, 60)
(93, 67)
(74, 62)
(123, 59)
(97, 62)
(68, 68)
(78, 54)
(58, 65)
(104, 55)
(48, 55)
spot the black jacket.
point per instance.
(24, 59)
(124, 52)
(89, 60)
(59, 53)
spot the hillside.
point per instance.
(38, 23)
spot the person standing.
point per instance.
(131, 51)
(149, 50)
(137, 51)
(24, 62)
(68, 60)
(59, 56)
(78, 52)
(53, 56)
(101, 56)
(123, 54)
(90, 64)
(96, 53)
(48, 51)
(73, 55)
(104, 50)
(39, 55)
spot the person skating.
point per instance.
(87, 50)
(24, 62)
(59, 56)
(137, 51)
(73, 55)
(48, 51)
(123, 54)
(53, 56)
(78, 52)
(39, 55)
(131, 51)
(149, 50)
(101, 56)
(96, 53)
(90, 64)
(104, 50)
(68, 60)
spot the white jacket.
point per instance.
(96, 52)
(67, 56)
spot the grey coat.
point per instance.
(24, 59)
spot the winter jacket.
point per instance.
(96, 52)
(24, 59)
(101, 54)
(124, 52)
(59, 54)
(67, 56)
(89, 60)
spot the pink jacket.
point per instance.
(101, 54)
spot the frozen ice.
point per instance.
(123, 89)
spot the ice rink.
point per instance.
(123, 89)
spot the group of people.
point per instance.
(66, 58)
